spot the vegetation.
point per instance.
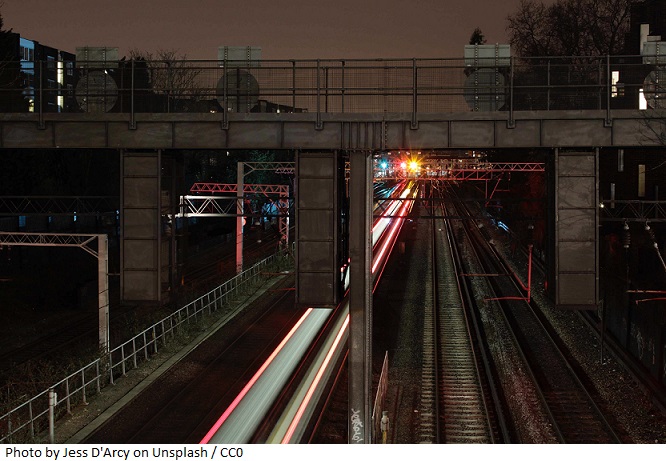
(569, 27)
(477, 37)
(11, 97)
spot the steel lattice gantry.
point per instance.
(229, 207)
(84, 242)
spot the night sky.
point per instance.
(299, 29)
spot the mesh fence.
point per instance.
(328, 86)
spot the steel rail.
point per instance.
(574, 395)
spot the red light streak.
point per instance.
(315, 382)
(254, 379)
(387, 242)
(403, 208)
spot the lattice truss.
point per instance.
(42, 205)
(472, 172)
(633, 210)
(82, 241)
(226, 207)
(278, 167)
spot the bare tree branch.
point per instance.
(569, 27)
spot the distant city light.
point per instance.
(403, 165)
(384, 165)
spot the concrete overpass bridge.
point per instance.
(147, 110)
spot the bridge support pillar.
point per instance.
(576, 182)
(141, 239)
(360, 298)
(318, 189)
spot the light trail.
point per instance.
(254, 379)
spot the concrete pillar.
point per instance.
(317, 190)
(576, 229)
(140, 226)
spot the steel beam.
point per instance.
(240, 187)
(360, 298)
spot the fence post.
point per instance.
(53, 400)
(42, 125)
(512, 123)
(134, 352)
(83, 385)
(122, 358)
(99, 388)
(67, 400)
(414, 94)
(132, 119)
(608, 122)
(548, 86)
(155, 338)
(225, 96)
(318, 124)
(293, 85)
(343, 88)
(111, 369)
(32, 421)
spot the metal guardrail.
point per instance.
(27, 420)
(380, 402)
(336, 86)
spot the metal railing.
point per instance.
(380, 401)
(26, 421)
(337, 86)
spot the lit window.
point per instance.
(615, 77)
(642, 102)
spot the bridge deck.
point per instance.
(374, 131)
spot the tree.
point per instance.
(563, 47)
(172, 77)
(11, 97)
(477, 37)
(569, 27)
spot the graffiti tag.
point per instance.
(357, 426)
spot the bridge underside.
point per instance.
(142, 144)
(388, 131)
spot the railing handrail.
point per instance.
(204, 301)
(337, 86)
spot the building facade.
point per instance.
(46, 75)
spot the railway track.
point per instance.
(182, 404)
(571, 413)
(80, 334)
(455, 406)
